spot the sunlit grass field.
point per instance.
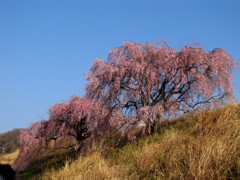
(202, 145)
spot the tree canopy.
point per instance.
(137, 76)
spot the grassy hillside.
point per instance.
(205, 145)
(8, 158)
(201, 146)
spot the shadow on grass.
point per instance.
(40, 166)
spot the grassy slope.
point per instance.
(8, 158)
(201, 146)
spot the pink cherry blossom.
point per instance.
(137, 76)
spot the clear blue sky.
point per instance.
(46, 46)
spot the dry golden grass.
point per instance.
(92, 167)
(210, 151)
(9, 158)
(202, 146)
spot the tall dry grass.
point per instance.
(205, 145)
(93, 167)
(9, 158)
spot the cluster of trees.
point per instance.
(137, 86)
(9, 141)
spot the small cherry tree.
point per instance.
(29, 140)
(79, 118)
(154, 80)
